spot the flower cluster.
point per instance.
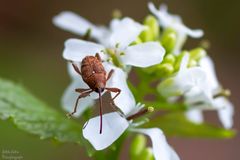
(154, 47)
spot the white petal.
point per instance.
(124, 32)
(192, 77)
(184, 82)
(168, 20)
(195, 116)
(194, 33)
(207, 65)
(161, 149)
(72, 73)
(135, 110)
(144, 54)
(181, 39)
(72, 22)
(225, 114)
(113, 127)
(76, 50)
(198, 94)
(165, 19)
(70, 96)
(125, 101)
(184, 63)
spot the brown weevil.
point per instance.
(95, 76)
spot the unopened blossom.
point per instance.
(167, 20)
(114, 125)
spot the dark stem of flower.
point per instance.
(140, 113)
(100, 110)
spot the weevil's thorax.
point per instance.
(93, 73)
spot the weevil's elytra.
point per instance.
(93, 73)
(95, 76)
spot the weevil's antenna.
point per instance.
(100, 109)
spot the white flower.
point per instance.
(224, 109)
(115, 125)
(223, 106)
(168, 20)
(184, 81)
(74, 23)
(123, 33)
(199, 86)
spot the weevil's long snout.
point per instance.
(100, 108)
(98, 90)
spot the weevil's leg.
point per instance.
(76, 68)
(115, 107)
(82, 95)
(98, 57)
(81, 90)
(110, 74)
(115, 90)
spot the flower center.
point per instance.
(114, 54)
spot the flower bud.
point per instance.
(192, 63)
(147, 154)
(164, 69)
(137, 146)
(169, 59)
(152, 22)
(166, 88)
(160, 70)
(151, 31)
(179, 60)
(169, 39)
(117, 14)
(197, 53)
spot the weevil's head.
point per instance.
(99, 90)
(100, 83)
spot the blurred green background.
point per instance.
(31, 49)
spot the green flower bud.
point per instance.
(169, 39)
(137, 41)
(167, 88)
(152, 23)
(146, 35)
(179, 60)
(197, 53)
(169, 59)
(147, 154)
(164, 69)
(117, 14)
(160, 70)
(113, 58)
(152, 29)
(137, 146)
(192, 63)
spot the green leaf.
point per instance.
(176, 124)
(35, 117)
